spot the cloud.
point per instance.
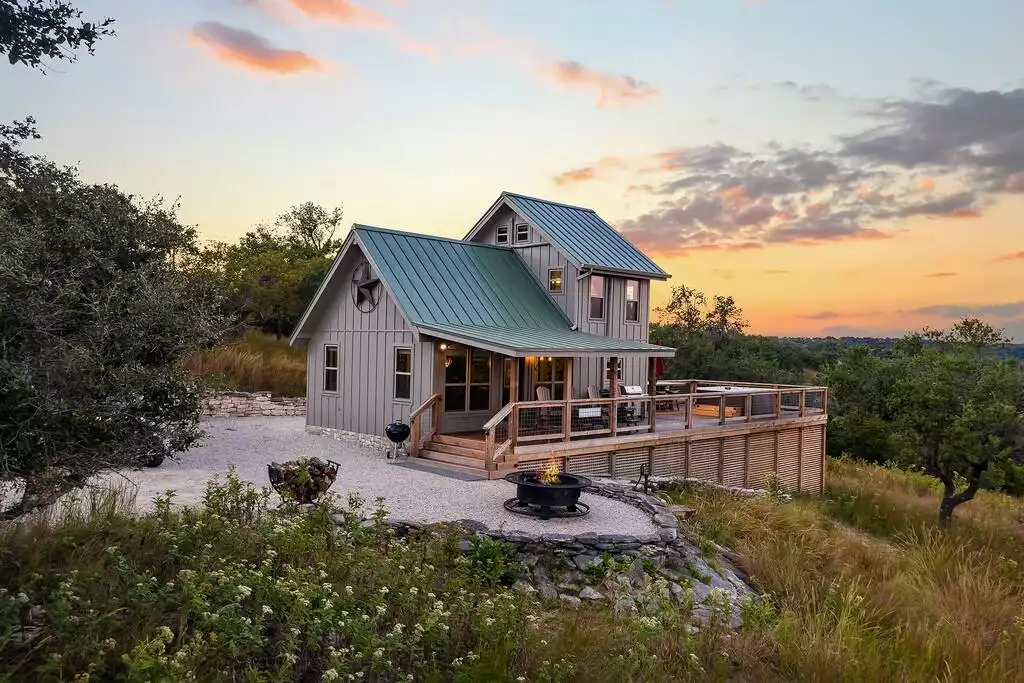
(341, 11)
(612, 90)
(589, 172)
(952, 311)
(941, 274)
(250, 50)
(775, 271)
(821, 315)
(947, 155)
(1017, 256)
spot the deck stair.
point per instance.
(464, 454)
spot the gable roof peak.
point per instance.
(361, 227)
(506, 193)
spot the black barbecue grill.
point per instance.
(397, 433)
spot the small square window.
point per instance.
(330, 367)
(555, 280)
(502, 235)
(522, 232)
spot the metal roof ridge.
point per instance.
(424, 236)
(507, 193)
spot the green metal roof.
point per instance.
(584, 236)
(543, 342)
(479, 294)
(439, 281)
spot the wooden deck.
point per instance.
(734, 436)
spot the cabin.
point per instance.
(525, 344)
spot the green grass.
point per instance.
(863, 588)
(257, 362)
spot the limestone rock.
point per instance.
(665, 520)
(624, 605)
(589, 593)
(570, 600)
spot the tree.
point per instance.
(95, 317)
(310, 228)
(33, 30)
(958, 412)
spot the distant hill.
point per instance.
(881, 343)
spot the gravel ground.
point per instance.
(250, 443)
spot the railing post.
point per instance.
(566, 420)
(689, 412)
(721, 409)
(824, 401)
(613, 416)
(652, 391)
(513, 425)
(435, 415)
(777, 400)
(748, 405)
(489, 450)
(415, 436)
(803, 401)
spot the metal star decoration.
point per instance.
(364, 288)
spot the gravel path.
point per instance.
(250, 443)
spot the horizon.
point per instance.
(840, 171)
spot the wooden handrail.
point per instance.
(498, 417)
(424, 406)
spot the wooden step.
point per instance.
(461, 441)
(443, 447)
(438, 456)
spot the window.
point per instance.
(550, 373)
(608, 371)
(403, 374)
(597, 297)
(522, 232)
(467, 379)
(555, 280)
(330, 367)
(632, 301)
(502, 236)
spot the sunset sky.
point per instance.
(839, 168)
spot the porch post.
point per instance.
(652, 390)
(567, 411)
(513, 396)
(613, 391)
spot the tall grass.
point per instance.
(257, 362)
(870, 589)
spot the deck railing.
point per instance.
(678, 405)
(416, 436)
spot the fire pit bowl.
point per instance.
(537, 498)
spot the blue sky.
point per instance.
(415, 113)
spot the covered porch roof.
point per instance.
(522, 342)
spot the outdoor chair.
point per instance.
(543, 414)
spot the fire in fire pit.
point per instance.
(547, 493)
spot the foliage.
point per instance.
(34, 30)
(493, 562)
(864, 586)
(94, 320)
(270, 275)
(253, 362)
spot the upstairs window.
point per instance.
(597, 297)
(403, 374)
(502, 236)
(608, 372)
(632, 301)
(555, 280)
(522, 232)
(330, 367)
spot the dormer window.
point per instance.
(502, 236)
(597, 297)
(555, 280)
(522, 232)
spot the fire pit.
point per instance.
(547, 493)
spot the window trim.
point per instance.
(498, 235)
(528, 233)
(468, 384)
(396, 373)
(561, 280)
(627, 301)
(336, 368)
(603, 297)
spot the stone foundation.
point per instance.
(353, 438)
(244, 404)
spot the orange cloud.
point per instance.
(588, 172)
(612, 90)
(941, 274)
(928, 184)
(960, 213)
(417, 47)
(1015, 182)
(341, 11)
(249, 50)
(1018, 256)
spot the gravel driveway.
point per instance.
(250, 443)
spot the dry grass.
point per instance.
(258, 362)
(870, 589)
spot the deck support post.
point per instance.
(568, 395)
(721, 409)
(652, 391)
(613, 392)
(513, 395)
(748, 404)
(803, 401)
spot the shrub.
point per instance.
(256, 362)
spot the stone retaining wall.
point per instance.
(244, 404)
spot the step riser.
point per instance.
(473, 463)
(460, 441)
(442, 447)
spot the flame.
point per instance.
(548, 475)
